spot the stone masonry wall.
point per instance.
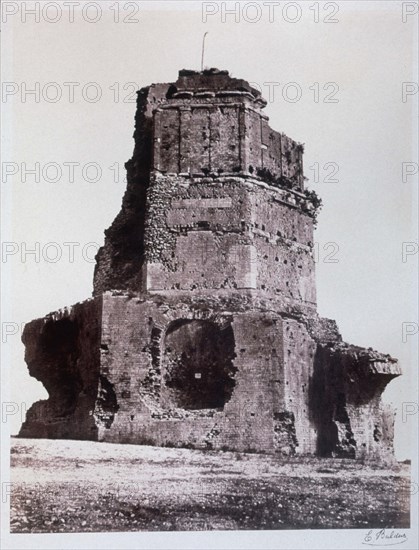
(347, 384)
(203, 331)
(228, 233)
(63, 352)
(132, 361)
(283, 239)
(200, 137)
(120, 262)
(148, 370)
(299, 352)
(207, 124)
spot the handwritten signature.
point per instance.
(383, 537)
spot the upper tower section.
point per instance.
(212, 124)
(215, 199)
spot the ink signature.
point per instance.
(383, 537)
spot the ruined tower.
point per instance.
(203, 329)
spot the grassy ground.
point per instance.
(74, 486)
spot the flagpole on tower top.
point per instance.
(203, 50)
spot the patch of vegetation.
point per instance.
(315, 200)
(276, 181)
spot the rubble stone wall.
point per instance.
(228, 233)
(203, 331)
(133, 361)
(63, 352)
(126, 371)
(346, 390)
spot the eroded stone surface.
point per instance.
(203, 331)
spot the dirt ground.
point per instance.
(77, 486)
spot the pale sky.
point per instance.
(363, 59)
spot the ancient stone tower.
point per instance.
(203, 329)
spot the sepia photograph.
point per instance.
(209, 254)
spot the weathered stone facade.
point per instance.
(203, 329)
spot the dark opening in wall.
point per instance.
(59, 353)
(198, 364)
(106, 403)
